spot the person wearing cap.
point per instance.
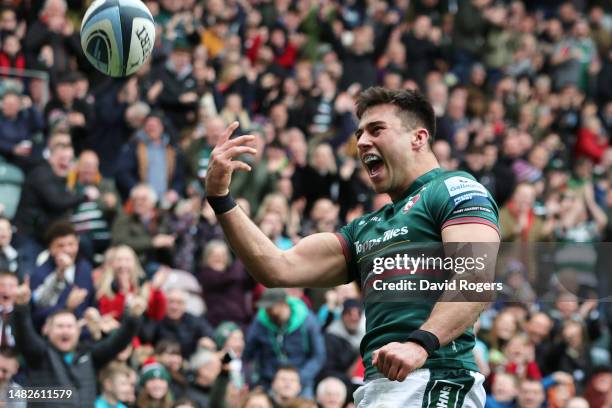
(342, 339)
(178, 97)
(66, 110)
(151, 158)
(284, 332)
(155, 389)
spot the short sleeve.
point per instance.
(346, 237)
(459, 199)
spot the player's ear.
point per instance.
(420, 138)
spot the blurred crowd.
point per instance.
(116, 281)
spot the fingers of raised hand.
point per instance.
(228, 132)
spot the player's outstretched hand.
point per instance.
(396, 360)
(222, 163)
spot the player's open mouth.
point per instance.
(373, 163)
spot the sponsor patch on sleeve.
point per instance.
(457, 185)
(472, 197)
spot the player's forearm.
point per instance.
(448, 320)
(263, 260)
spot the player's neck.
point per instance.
(421, 165)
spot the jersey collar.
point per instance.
(421, 181)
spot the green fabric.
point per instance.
(223, 331)
(447, 388)
(299, 313)
(435, 200)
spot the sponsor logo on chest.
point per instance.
(361, 247)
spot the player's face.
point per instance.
(385, 148)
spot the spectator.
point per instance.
(577, 402)
(503, 391)
(322, 173)
(8, 290)
(9, 257)
(342, 340)
(277, 336)
(538, 329)
(334, 301)
(154, 392)
(178, 97)
(286, 385)
(198, 151)
(190, 331)
(121, 280)
(64, 280)
(111, 127)
(364, 51)
(116, 386)
(93, 220)
(206, 367)
(18, 126)
(51, 42)
(597, 391)
(530, 394)
(59, 362)
(518, 220)
(66, 111)
(575, 224)
(519, 358)
(571, 353)
(168, 354)
(255, 185)
(9, 365)
(331, 393)
(45, 198)
(257, 399)
(145, 229)
(229, 339)
(225, 284)
(151, 158)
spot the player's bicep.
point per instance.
(475, 232)
(315, 261)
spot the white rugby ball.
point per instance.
(117, 36)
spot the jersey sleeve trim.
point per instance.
(345, 247)
(470, 220)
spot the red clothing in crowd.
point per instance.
(116, 304)
(17, 62)
(285, 59)
(531, 370)
(590, 145)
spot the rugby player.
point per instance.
(416, 354)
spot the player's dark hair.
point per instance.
(59, 229)
(412, 105)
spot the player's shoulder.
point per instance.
(374, 216)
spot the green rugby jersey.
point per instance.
(434, 201)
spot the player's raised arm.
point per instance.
(315, 261)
